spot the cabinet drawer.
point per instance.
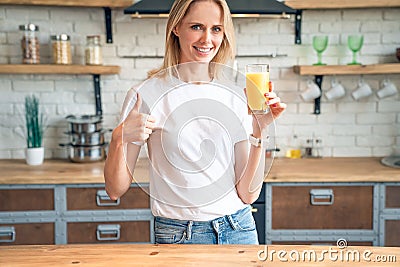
(392, 233)
(392, 197)
(322, 207)
(26, 199)
(27, 234)
(96, 198)
(99, 232)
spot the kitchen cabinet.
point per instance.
(68, 204)
(390, 215)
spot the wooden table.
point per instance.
(360, 169)
(194, 255)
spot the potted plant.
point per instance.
(34, 122)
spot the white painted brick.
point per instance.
(109, 51)
(297, 119)
(389, 106)
(2, 13)
(89, 28)
(111, 108)
(374, 140)
(357, 107)
(56, 97)
(339, 141)
(386, 130)
(362, 14)
(35, 87)
(390, 26)
(382, 151)
(391, 38)
(123, 51)
(3, 38)
(321, 15)
(391, 14)
(6, 109)
(246, 38)
(351, 152)
(27, 14)
(10, 50)
(61, 14)
(375, 118)
(371, 26)
(336, 118)
(352, 130)
(262, 26)
(136, 26)
(333, 27)
(154, 40)
(75, 109)
(5, 84)
(286, 26)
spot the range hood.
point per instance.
(239, 8)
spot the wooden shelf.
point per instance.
(392, 68)
(341, 4)
(71, 3)
(58, 69)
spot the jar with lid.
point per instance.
(61, 47)
(93, 53)
(30, 44)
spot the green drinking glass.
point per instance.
(320, 43)
(355, 42)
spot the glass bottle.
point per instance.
(93, 53)
(61, 47)
(30, 44)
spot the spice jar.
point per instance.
(61, 46)
(93, 52)
(30, 44)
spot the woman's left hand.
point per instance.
(276, 108)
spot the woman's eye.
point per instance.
(217, 29)
(196, 27)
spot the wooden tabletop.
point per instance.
(283, 170)
(195, 255)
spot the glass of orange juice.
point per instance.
(257, 84)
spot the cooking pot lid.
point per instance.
(84, 119)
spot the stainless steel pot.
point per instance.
(85, 123)
(85, 154)
(87, 139)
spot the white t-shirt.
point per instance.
(191, 150)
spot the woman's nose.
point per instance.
(206, 37)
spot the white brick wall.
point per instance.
(369, 127)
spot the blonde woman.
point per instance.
(204, 174)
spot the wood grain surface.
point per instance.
(72, 3)
(58, 69)
(340, 4)
(192, 255)
(347, 69)
(282, 170)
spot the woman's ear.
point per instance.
(175, 31)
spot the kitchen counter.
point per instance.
(193, 255)
(283, 170)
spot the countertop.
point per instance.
(194, 255)
(363, 169)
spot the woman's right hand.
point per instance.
(137, 126)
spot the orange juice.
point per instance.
(257, 84)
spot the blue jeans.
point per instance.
(237, 228)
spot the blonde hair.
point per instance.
(172, 49)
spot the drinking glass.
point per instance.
(320, 43)
(355, 43)
(257, 84)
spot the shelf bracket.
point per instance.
(97, 94)
(107, 16)
(298, 19)
(317, 101)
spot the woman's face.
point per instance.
(200, 32)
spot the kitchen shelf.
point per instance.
(105, 4)
(58, 69)
(341, 4)
(71, 3)
(95, 71)
(393, 68)
(320, 71)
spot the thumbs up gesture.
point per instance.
(137, 126)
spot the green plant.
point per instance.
(34, 122)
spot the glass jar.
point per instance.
(93, 52)
(30, 44)
(61, 47)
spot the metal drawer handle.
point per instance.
(106, 232)
(253, 209)
(321, 196)
(7, 231)
(102, 199)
